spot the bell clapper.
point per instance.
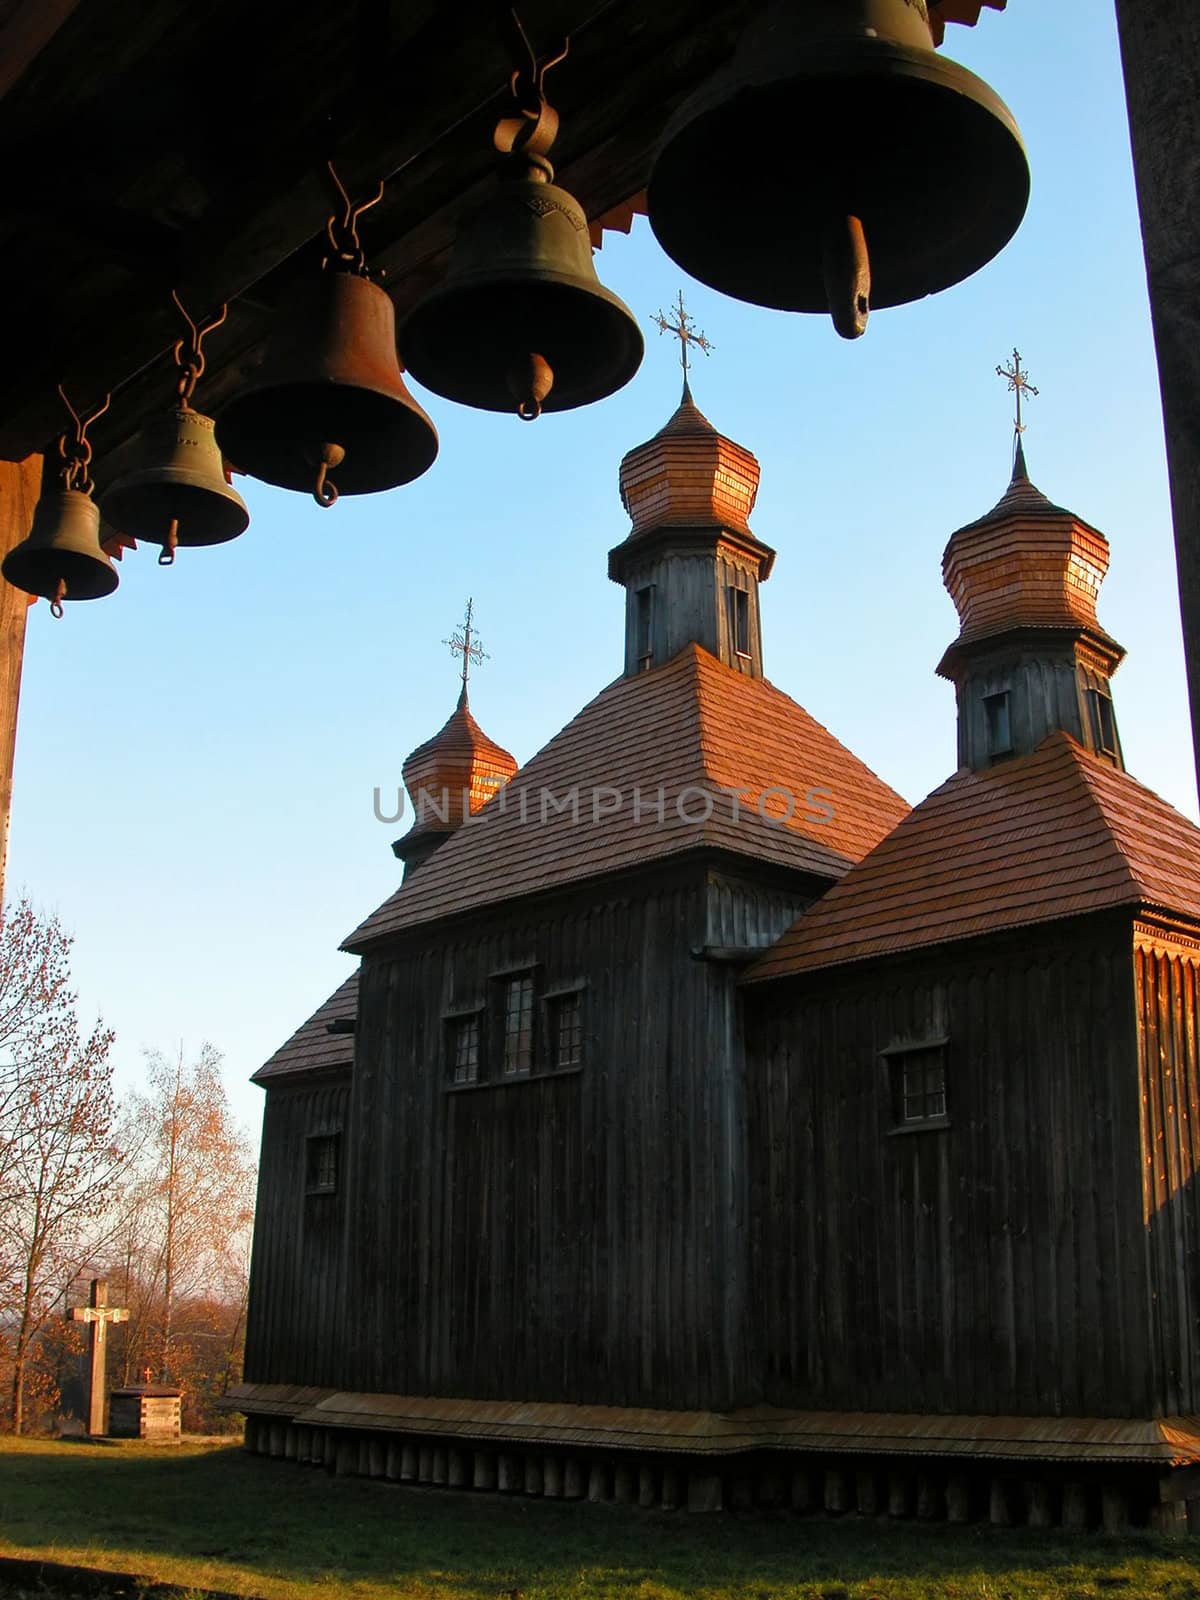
(166, 556)
(530, 380)
(847, 271)
(60, 594)
(324, 492)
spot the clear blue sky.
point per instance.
(196, 756)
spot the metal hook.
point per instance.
(192, 370)
(343, 233)
(76, 460)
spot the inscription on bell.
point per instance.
(542, 205)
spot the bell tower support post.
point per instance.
(1160, 52)
(20, 485)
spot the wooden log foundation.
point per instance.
(803, 1493)
(671, 1489)
(409, 1463)
(930, 1505)
(1114, 1508)
(647, 1495)
(625, 1483)
(572, 1479)
(552, 1478)
(1039, 1504)
(866, 1492)
(484, 1476)
(425, 1463)
(441, 1468)
(704, 1491)
(456, 1469)
(899, 1494)
(599, 1483)
(958, 1497)
(1075, 1507)
(510, 1476)
(533, 1475)
(391, 1466)
(837, 1491)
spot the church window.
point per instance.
(1104, 727)
(464, 1036)
(738, 603)
(518, 1025)
(645, 627)
(917, 1082)
(321, 1164)
(566, 1030)
(997, 709)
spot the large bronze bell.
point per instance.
(521, 320)
(62, 559)
(330, 412)
(179, 495)
(838, 162)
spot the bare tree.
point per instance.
(194, 1190)
(56, 1133)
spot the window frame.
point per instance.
(553, 1002)
(643, 627)
(329, 1140)
(737, 608)
(895, 1059)
(1104, 722)
(452, 1021)
(1001, 698)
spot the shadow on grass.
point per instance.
(275, 1520)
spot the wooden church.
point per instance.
(704, 1127)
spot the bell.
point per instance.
(520, 320)
(62, 559)
(837, 161)
(179, 495)
(330, 411)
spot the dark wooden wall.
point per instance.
(296, 1269)
(1170, 1084)
(998, 1266)
(579, 1238)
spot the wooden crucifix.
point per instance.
(98, 1313)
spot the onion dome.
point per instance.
(448, 779)
(689, 475)
(1027, 564)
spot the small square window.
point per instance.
(917, 1083)
(997, 710)
(321, 1164)
(463, 1048)
(518, 1026)
(566, 1030)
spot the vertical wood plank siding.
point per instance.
(296, 1270)
(1170, 1128)
(577, 1237)
(996, 1266)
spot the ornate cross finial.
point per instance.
(685, 330)
(1018, 384)
(465, 643)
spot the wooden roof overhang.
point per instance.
(166, 144)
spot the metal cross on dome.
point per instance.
(464, 642)
(685, 331)
(1018, 384)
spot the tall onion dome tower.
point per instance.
(451, 776)
(690, 565)
(1031, 657)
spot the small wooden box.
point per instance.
(147, 1411)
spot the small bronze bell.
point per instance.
(330, 412)
(179, 496)
(521, 320)
(838, 162)
(61, 559)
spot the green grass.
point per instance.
(209, 1516)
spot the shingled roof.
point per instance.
(312, 1047)
(690, 725)
(1050, 835)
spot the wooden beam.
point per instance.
(20, 485)
(1160, 51)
